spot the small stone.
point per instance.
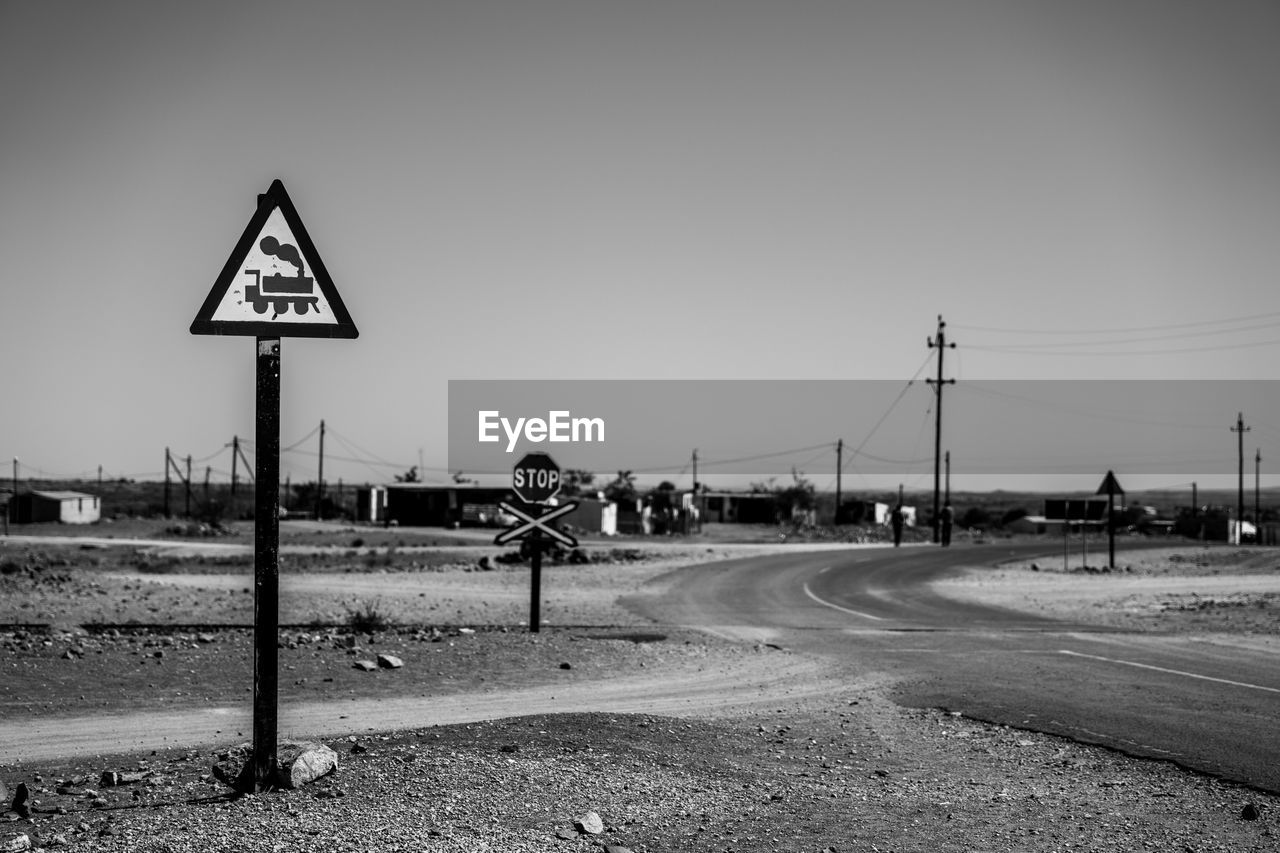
(20, 796)
(616, 848)
(366, 665)
(115, 778)
(16, 844)
(566, 665)
(590, 823)
(566, 834)
(205, 638)
(303, 763)
(509, 747)
(389, 662)
(1249, 812)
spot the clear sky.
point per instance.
(644, 190)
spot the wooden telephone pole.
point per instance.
(839, 465)
(941, 344)
(1241, 429)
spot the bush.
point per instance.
(366, 618)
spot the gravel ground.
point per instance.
(842, 770)
(851, 774)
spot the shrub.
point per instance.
(366, 618)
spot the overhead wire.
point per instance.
(1118, 331)
(977, 387)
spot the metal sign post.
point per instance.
(534, 526)
(266, 565)
(1110, 485)
(290, 280)
(535, 582)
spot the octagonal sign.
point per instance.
(536, 478)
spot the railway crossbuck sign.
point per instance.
(274, 284)
(537, 524)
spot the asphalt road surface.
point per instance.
(1204, 705)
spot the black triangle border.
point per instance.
(204, 324)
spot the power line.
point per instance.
(977, 387)
(1030, 350)
(1120, 331)
(858, 450)
(1178, 336)
(314, 430)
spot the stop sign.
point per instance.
(536, 478)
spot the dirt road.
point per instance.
(767, 678)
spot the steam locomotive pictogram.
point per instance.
(278, 292)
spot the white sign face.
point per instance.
(275, 283)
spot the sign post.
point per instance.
(1110, 485)
(275, 241)
(266, 563)
(536, 480)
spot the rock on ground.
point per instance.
(590, 823)
(303, 763)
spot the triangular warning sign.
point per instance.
(274, 284)
(1110, 485)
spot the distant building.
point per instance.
(66, 507)
(429, 505)
(371, 504)
(739, 508)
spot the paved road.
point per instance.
(1210, 706)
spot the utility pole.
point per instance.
(1257, 490)
(942, 345)
(1241, 429)
(99, 479)
(839, 465)
(235, 451)
(15, 476)
(166, 482)
(697, 499)
(320, 475)
(188, 485)
(208, 469)
(947, 496)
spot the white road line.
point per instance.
(809, 593)
(1171, 671)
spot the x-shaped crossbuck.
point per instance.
(538, 523)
